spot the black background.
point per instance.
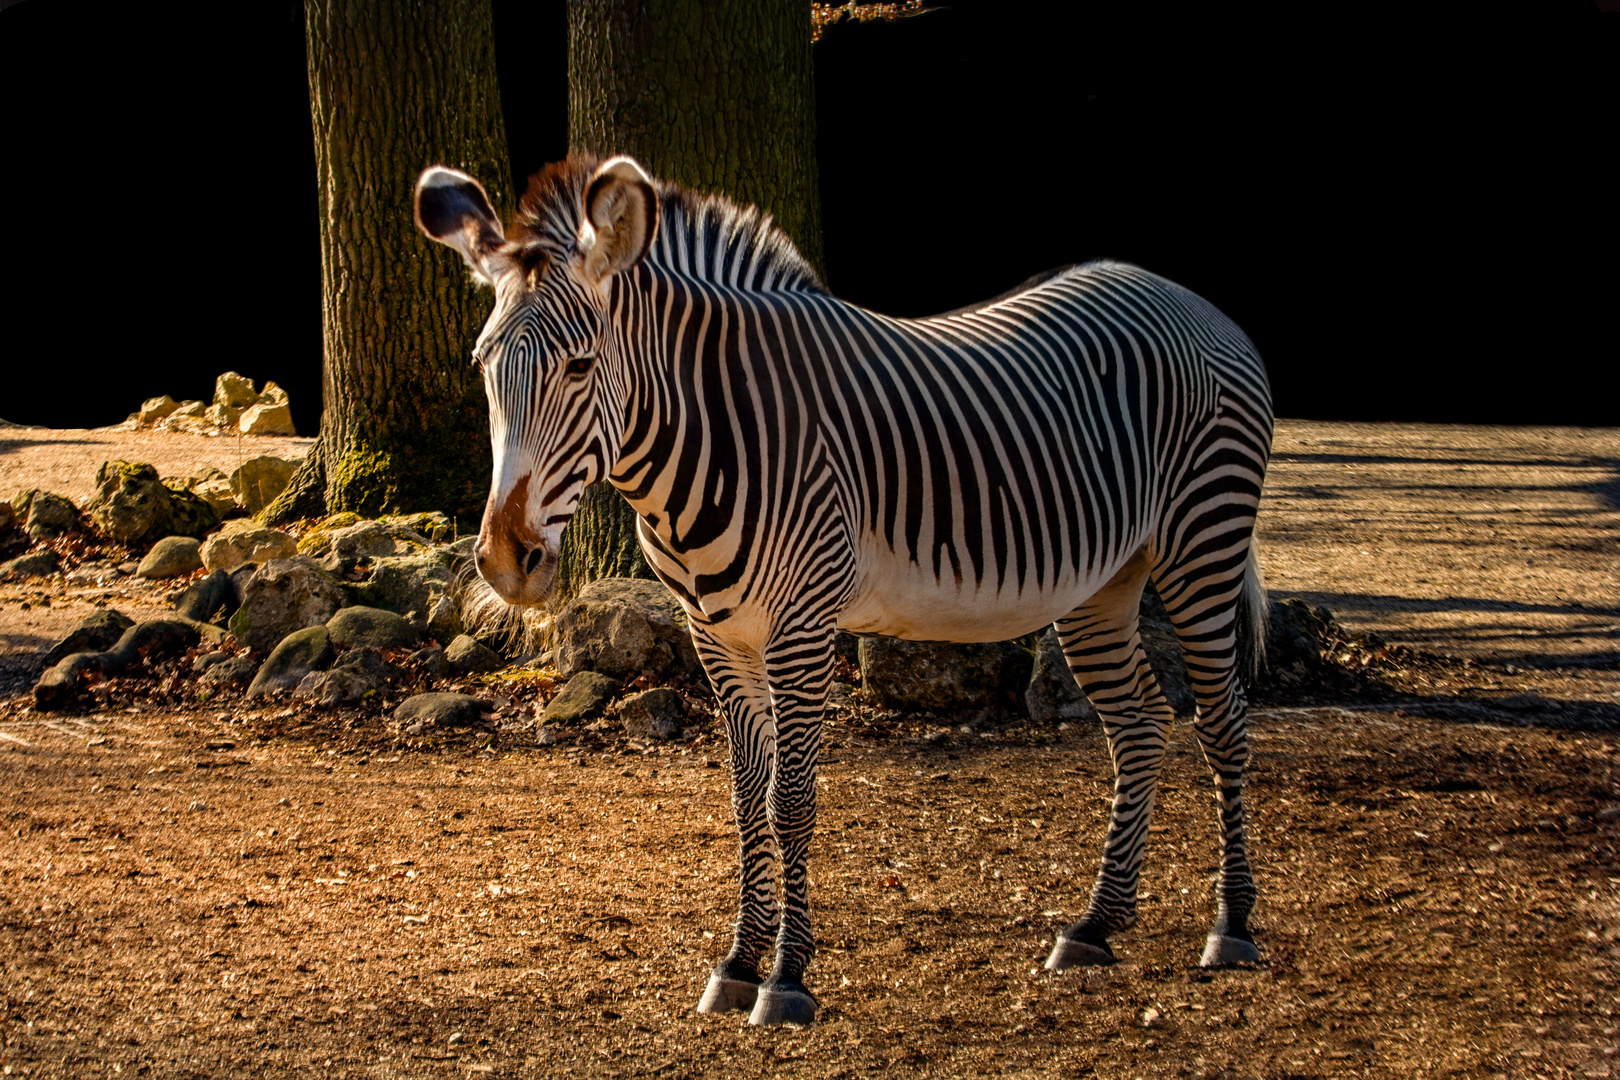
(1411, 208)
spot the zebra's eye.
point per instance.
(580, 365)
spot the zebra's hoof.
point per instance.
(1068, 953)
(1219, 950)
(784, 1003)
(727, 995)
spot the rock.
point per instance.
(155, 409)
(245, 542)
(926, 676)
(208, 660)
(625, 626)
(546, 737)
(99, 632)
(340, 686)
(45, 516)
(294, 657)
(421, 711)
(222, 416)
(360, 543)
(282, 596)
(171, 557)
(156, 639)
(234, 391)
(258, 481)
(34, 564)
(583, 697)
(369, 660)
(267, 420)
(358, 626)
(653, 714)
(317, 540)
(272, 395)
(433, 662)
(211, 486)
(203, 599)
(408, 583)
(1163, 649)
(430, 524)
(193, 515)
(238, 669)
(443, 618)
(1296, 636)
(8, 517)
(1053, 694)
(131, 505)
(468, 657)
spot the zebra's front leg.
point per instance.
(799, 665)
(738, 677)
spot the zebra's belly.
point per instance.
(898, 598)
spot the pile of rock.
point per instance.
(237, 407)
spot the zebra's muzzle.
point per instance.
(521, 573)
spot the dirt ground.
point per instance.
(217, 890)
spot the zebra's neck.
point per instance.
(711, 239)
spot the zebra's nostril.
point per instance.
(532, 563)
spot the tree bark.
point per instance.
(394, 88)
(719, 96)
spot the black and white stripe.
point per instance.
(800, 464)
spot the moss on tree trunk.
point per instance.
(394, 89)
(717, 95)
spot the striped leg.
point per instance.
(738, 677)
(1103, 645)
(799, 663)
(1203, 604)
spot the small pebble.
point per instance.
(456, 1038)
(547, 737)
(198, 804)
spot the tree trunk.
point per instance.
(393, 89)
(719, 96)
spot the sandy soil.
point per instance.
(215, 889)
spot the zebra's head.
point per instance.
(555, 381)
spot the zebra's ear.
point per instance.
(454, 209)
(621, 218)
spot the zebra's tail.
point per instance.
(1254, 615)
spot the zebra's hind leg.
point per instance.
(738, 677)
(1203, 602)
(1103, 645)
(799, 664)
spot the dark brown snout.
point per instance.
(516, 561)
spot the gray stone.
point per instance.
(443, 617)
(369, 660)
(44, 515)
(347, 548)
(653, 714)
(155, 409)
(433, 662)
(246, 542)
(546, 737)
(159, 638)
(171, 557)
(356, 626)
(204, 599)
(408, 583)
(1296, 636)
(583, 697)
(267, 420)
(237, 669)
(625, 626)
(926, 676)
(34, 564)
(234, 391)
(339, 686)
(431, 524)
(421, 711)
(257, 482)
(469, 657)
(99, 632)
(1053, 694)
(131, 505)
(208, 660)
(191, 514)
(282, 596)
(298, 654)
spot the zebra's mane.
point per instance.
(703, 236)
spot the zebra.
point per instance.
(800, 465)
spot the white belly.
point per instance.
(899, 598)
